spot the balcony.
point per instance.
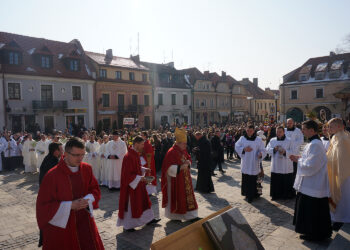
(131, 108)
(44, 105)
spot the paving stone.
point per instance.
(270, 220)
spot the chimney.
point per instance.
(170, 64)
(206, 74)
(109, 54)
(255, 81)
(223, 74)
(136, 58)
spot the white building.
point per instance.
(172, 95)
(45, 84)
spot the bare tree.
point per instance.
(344, 46)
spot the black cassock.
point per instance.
(204, 165)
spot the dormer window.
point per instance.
(14, 58)
(74, 65)
(319, 75)
(335, 71)
(320, 71)
(45, 62)
(305, 72)
(303, 77)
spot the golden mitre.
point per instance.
(180, 135)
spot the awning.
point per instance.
(223, 113)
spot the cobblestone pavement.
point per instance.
(270, 220)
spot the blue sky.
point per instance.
(247, 38)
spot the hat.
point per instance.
(180, 135)
(115, 132)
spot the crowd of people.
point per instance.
(128, 160)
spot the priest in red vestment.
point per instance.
(67, 196)
(178, 196)
(134, 204)
(148, 155)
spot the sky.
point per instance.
(247, 38)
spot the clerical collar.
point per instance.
(282, 138)
(252, 138)
(73, 169)
(314, 137)
(291, 129)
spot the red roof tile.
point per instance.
(31, 46)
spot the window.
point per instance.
(163, 120)
(146, 100)
(46, 93)
(45, 62)
(81, 120)
(185, 100)
(160, 99)
(186, 119)
(76, 92)
(131, 76)
(173, 99)
(265, 106)
(319, 75)
(106, 123)
(303, 77)
(319, 93)
(212, 103)
(14, 91)
(118, 75)
(74, 65)
(294, 94)
(144, 77)
(134, 99)
(197, 103)
(14, 58)
(103, 73)
(105, 100)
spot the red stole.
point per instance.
(139, 199)
(148, 154)
(60, 184)
(182, 195)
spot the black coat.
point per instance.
(49, 162)
(204, 165)
(217, 149)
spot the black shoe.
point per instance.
(195, 219)
(222, 171)
(130, 230)
(336, 226)
(154, 221)
(312, 238)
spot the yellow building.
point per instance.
(123, 90)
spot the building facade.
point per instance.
(262, 104)
(318, 88)
(45, 84)
(123, 90)
(172, 95)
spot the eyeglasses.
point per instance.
(76, 155)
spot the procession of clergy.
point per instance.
(318, 178)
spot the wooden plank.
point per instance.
(192, 237)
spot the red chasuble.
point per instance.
(60, 184)
(139, 199)
(148, 154)
(182, 195)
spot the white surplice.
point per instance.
(92, 158)
(119, 149)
